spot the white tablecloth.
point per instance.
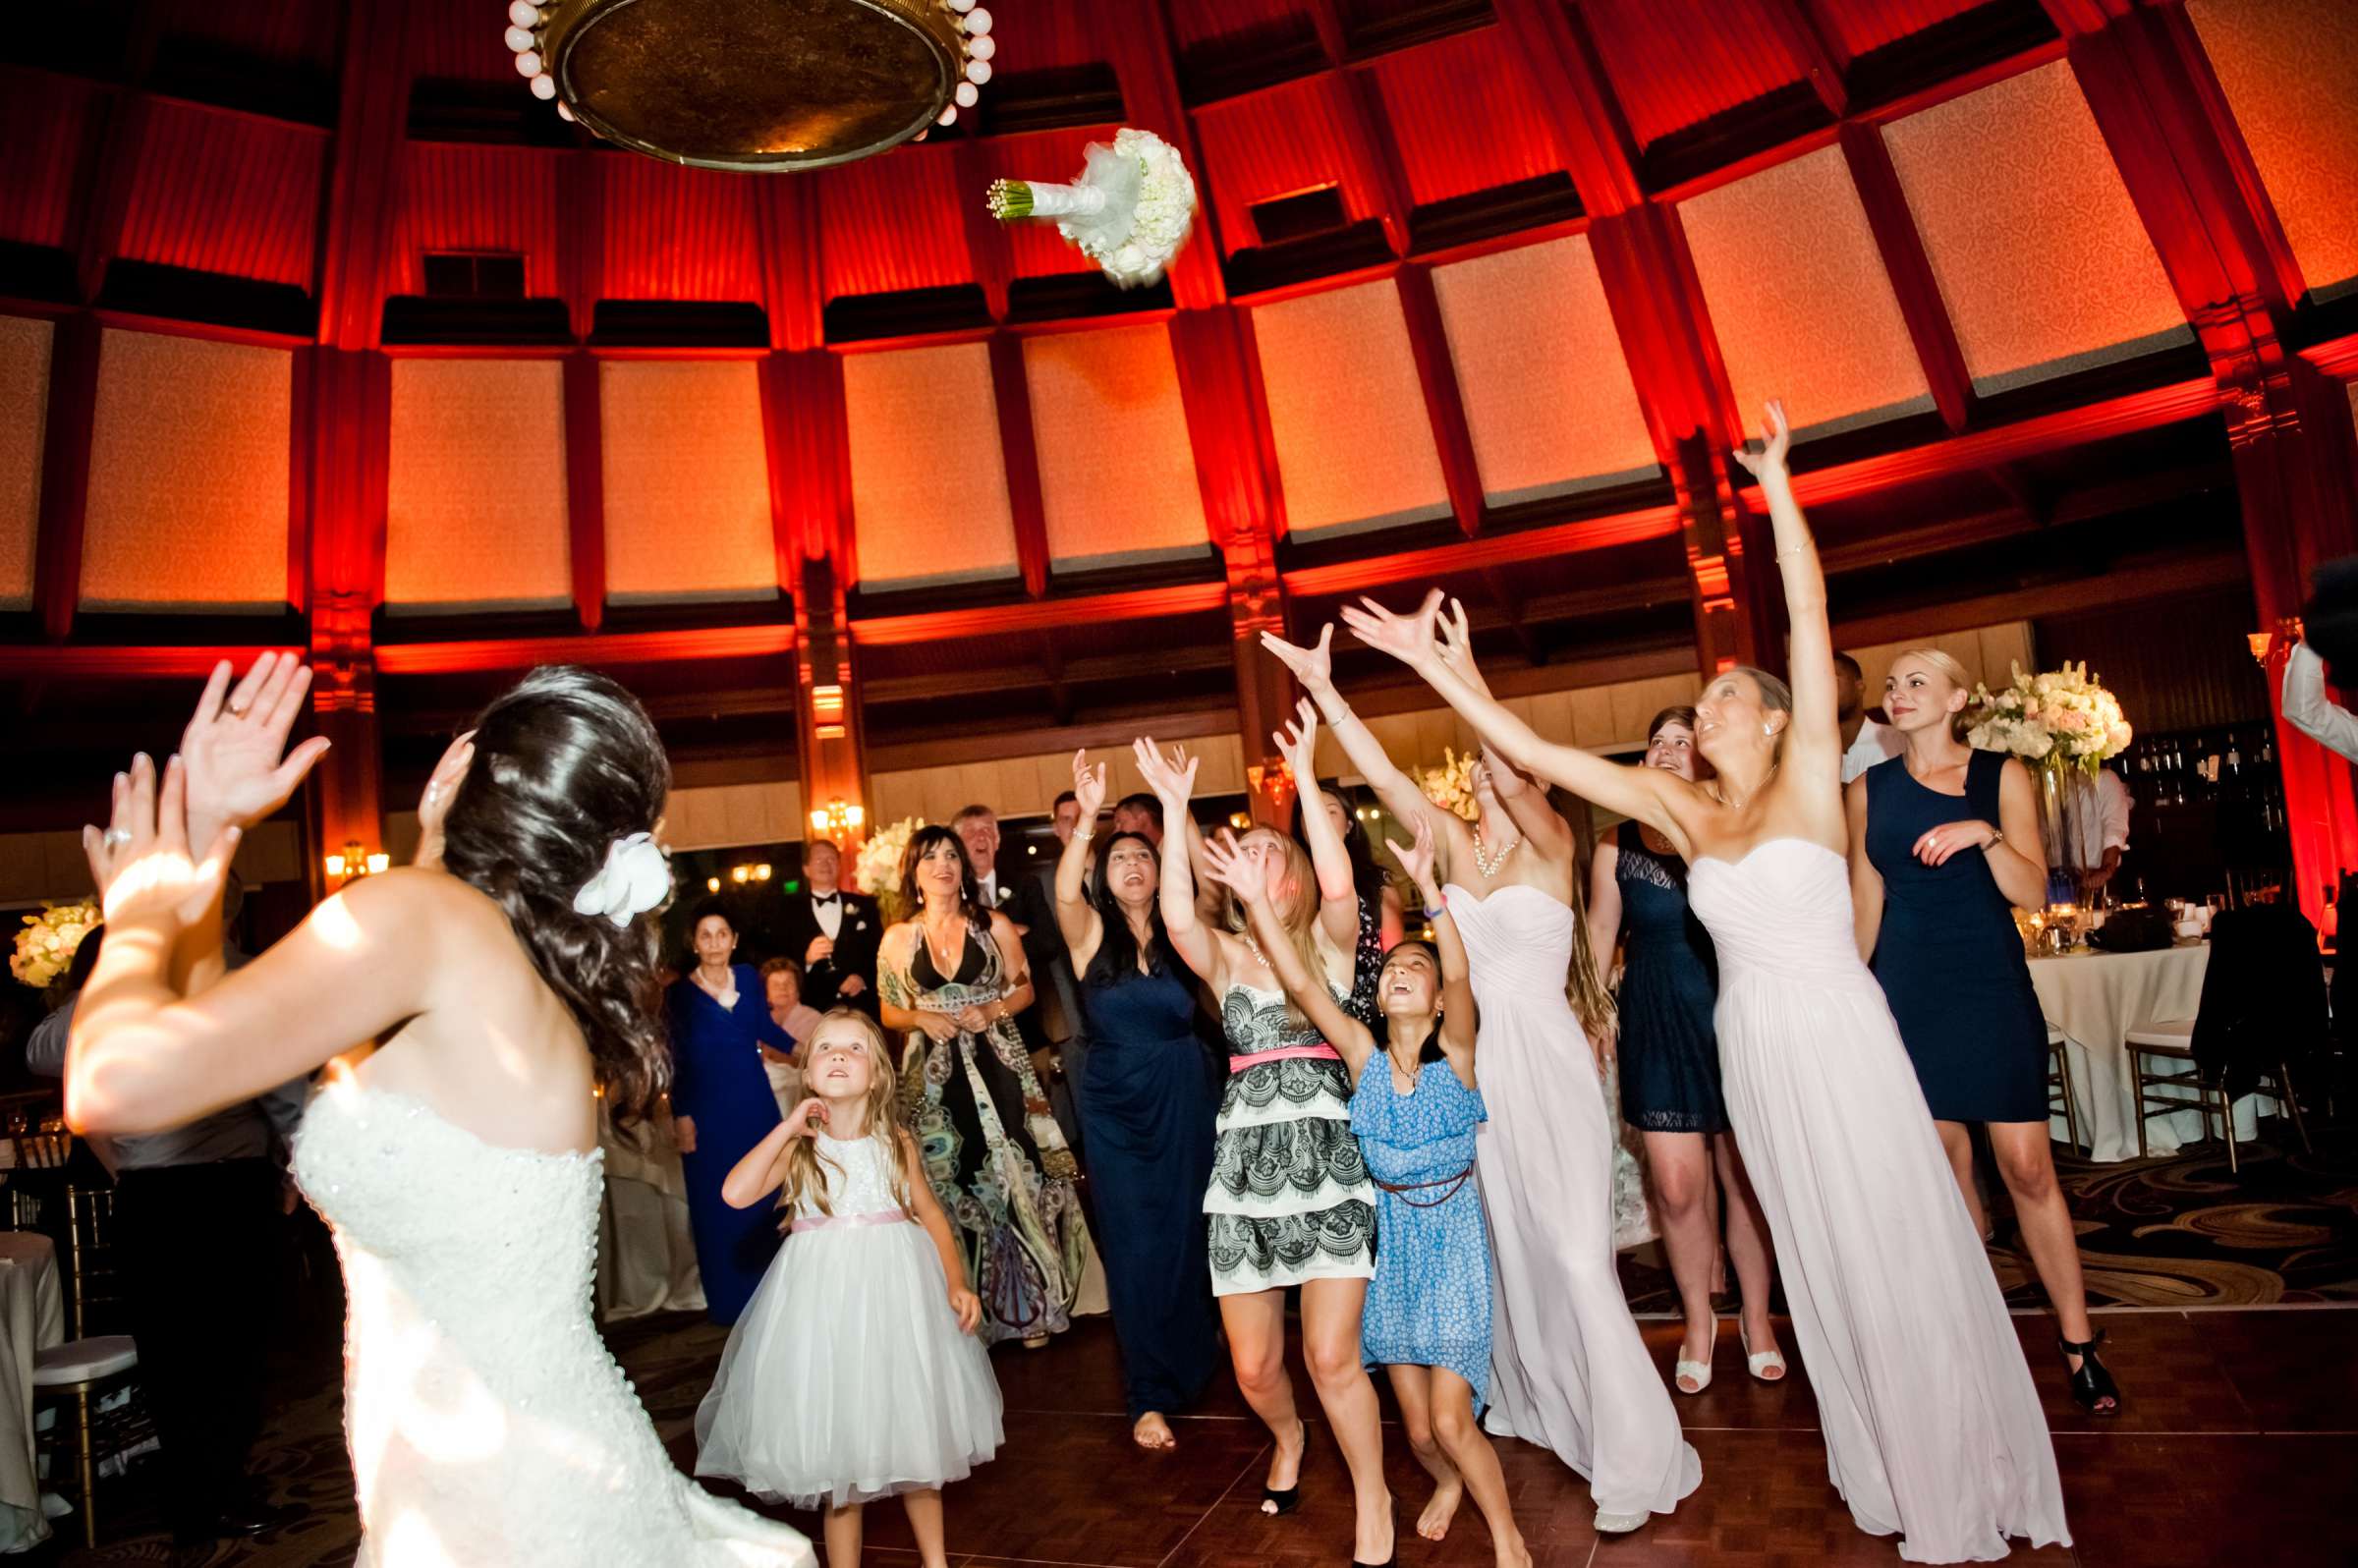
(33, 1317)
(2096, 999)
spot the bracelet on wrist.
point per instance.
(1435, 912)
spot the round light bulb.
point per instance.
(978, 72)
(519, 40)
(528, 64)
(947, 115)
(962, 5)
(544, 87)
(564, 111)
(966, 95)
(977, 21)
(524, 14)
(981, 48)
(922, 135)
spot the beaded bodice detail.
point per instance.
(859, 1182)
(1255, 1019)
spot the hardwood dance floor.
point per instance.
(2236, 1449)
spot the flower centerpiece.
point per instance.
(45, 946)
(2066, 726)
(877, 871)
(1451, 786)
(1129, 211)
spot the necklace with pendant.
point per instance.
(1719, 791)
(1487, 864)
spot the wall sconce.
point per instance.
(1239, 821)
(746, 873)
(2263, 644)
(836, 818)
(356, 861)
(712, 884)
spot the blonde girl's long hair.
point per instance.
(1584, 988)
(807, 1167)
(1295, 897)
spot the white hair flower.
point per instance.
(634, 879)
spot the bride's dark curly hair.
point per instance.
(566, 761)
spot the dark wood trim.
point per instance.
(585, 486)
(1444, 399)
(2128, 586)
(1820, 64)
(1910, 270)
(1487, 550)
(603, 648)
(993, 620)
(1019, 454)
(73, 348)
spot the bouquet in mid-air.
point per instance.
(1129, 211)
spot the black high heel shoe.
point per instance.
(2091, 1381)
(1275, 1503)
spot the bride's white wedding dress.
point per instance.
(1932, 1429)
(488, 1425)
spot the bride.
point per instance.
(505, 984)
(1932, 1429)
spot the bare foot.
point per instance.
(1375, 1542)
(1152, 1432)
(1286, 1465)
(1434, 1523)
(1512, 1553)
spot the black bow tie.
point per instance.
(825, 898)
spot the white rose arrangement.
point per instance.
(1130, 211)
(1451, 786)
(2061, 719)
(877, 871)
(45, 946)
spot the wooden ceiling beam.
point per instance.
(995, 620)
(1821, 63)
(1488, 551)
(1909, 267)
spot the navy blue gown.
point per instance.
(1669, 985)
(1949, 956)
(718, 1083)
(1147, 1111)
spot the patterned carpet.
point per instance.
(2166, 1233)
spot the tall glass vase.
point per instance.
(2068, 812)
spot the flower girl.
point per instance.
(1413, 1108)
(853, 1374)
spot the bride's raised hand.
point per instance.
(1314, 667)
(142, 863)
(1226, 863)
(1406, 638)
(1416, 859)
(434, 805)
(233, 752)
(1088, 788)
(1777, 441)
(1172, 782)
(1455, 649)
(1298, 744)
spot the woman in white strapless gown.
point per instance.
(1568, 1369)
(1933, 1427)
(509, 979)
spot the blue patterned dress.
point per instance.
(1430, 1304)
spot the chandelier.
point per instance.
(761, 85)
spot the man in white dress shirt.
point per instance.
(1865, 742)
(2105, 831)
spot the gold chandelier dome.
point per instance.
(754, 85)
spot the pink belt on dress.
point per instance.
(1321, 1050)
(879, 1216)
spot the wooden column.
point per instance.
(2179, 153)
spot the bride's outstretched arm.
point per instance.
(1813, 744)
(1638, 792)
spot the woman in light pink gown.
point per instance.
(1933, 1427)
(1568, 1369)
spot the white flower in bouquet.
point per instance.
(45, 947)
(2059, 718)
(877, 871)
(1451, 786)
(1130, 211)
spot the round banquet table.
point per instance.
(2096, 999)
(32, 1318)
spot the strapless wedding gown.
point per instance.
(1933, 1427)
(488, 1425)
(1568, 1369)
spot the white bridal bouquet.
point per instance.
(2062, 719)
(1129, 211)
(45, 946)
(1451, 786)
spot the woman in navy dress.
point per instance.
(1147, 1111)
(721, 1106)
(1943, 845)
(1669, 1059)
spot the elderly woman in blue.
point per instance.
(1413, 1108)
(721, 1106)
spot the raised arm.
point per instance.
(1456, 1035)
(1339, 896)
(762, 1171)
(1173, 784)
(1812, 745)
(1314, 668)
(1248, 878)
(1640, 792)
(2308, 709)
(1526, 806)
(1865, 883)
(1076, 917)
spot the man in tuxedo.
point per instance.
(1020, 898)
(833, 934)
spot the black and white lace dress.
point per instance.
(1289, 1200)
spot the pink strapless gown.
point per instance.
(1932, 1429)
(1568, 1370)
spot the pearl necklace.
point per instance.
(1491, 864)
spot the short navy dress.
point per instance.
(1949, 956)
(1669, 985)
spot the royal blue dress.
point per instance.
(717, 1082)
(1949, 956)
(1429, 1302)
(1146, 1109)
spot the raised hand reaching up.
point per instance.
(1314, 667)
(144, 869)
(1298, 744)
(233, 752)
(1226, 863)
(1172, 778)
(1777, 442)
(1089, 787)
(1406, 638)
(1456, 647)
(1416, 859)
